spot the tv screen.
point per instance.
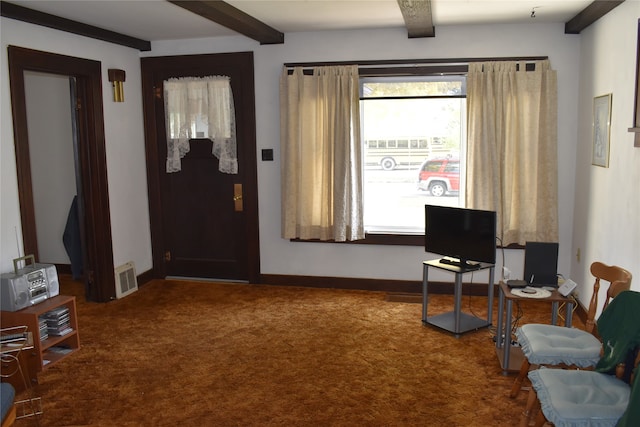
(467, 235)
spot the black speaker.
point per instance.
(541, 264)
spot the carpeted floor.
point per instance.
(211, 354)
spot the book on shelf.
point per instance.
(60, 332)
(42, 327)
(56, 322)
(13, 334)
(56, 311)
(9, 338)
(60, 350)
(56, 314)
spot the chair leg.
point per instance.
(528, 411)
(517, 383)
(10, 417)
(540, 419)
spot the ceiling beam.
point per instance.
(589, 15)
(417, 18)
(20, 13)
(228, 16)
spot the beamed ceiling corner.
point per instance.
(417, 16)
(228, 16)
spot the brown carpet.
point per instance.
(211, 354)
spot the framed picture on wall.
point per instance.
(601, 130)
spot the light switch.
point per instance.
(267, 154)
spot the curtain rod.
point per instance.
(414, 61)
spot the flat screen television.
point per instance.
(466, 237)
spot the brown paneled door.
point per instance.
(206, 236)
(204, 222)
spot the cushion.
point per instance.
(573, 398)
(552, 345)
(7, 394)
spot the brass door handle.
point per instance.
(237, 198)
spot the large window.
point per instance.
(403, 144)
(414, 141)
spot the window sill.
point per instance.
(392, 240)
(378, 239)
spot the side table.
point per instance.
(510, 356)
(456, 321)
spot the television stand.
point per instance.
(456, 321)
(461, 263)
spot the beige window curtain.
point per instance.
(200, 108)
(321, 154)
(512, 164)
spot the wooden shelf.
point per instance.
(44, 351)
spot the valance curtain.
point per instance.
(200, 108)
(512, 164)
(321, 154)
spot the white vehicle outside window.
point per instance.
(409, 124)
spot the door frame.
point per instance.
(90, 162)
(201, 65)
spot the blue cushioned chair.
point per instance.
(551, 345)
(7, 396)
(606, 396)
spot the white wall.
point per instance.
(606, 224)
(124, 135)
(279, 256)
(601, 60)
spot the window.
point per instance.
(418, 123)
(407, 146)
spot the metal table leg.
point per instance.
(499, 342)
(569, 315)
(507, 337)
(425, 299)
(490, 297)
(457, 308)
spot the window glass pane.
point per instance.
(395, 87)
(423, 164)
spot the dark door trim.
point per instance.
(93, 195)
(200, 65)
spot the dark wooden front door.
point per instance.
(205, 236)
(204, 222)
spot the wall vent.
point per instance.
(126, 281)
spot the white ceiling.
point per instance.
(160, 20)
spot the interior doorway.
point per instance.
(89, 161)
(51, 121)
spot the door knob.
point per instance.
(237, 197)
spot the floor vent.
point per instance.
(126, 281)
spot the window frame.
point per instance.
(404, 67)
(440, 70)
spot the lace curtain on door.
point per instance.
(200, 108)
